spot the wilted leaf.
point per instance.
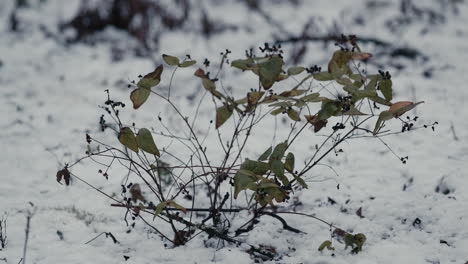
(360, 56)
(253, 97)
(400, 108)
(128, 139)
(187, 63)
(295, 70)
(386, 89)
(135, 192)
(294, 115)
(266, 154)
(289, 163)
(65, 174)
(316, 122)
(200, 73)
(151, 79)
(146, 143)
(222, 114)
(171, 60)
(326, 244)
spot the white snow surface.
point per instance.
(49, 97)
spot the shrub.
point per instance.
(266, 181)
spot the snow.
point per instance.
(49, 95)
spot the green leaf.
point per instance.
(323, 76)
(300, 181)
(294, 115)
(256, 167)
(386, 89)
(311, 98)
(281, 104)
(275, 162)
(344, 81)
(242, 180)
(246, 64)
(279, 151)
(380, 100)
(373, 82)
(277, 111)
(139, 96)
(295, 70)
(266, 154)
(187, 63)
(223, 113)
(269, 71)
(326, 244)
(383, 116)
(277, 166)
(146, 143)
(208, 84)
(177, 206)
(353, 111)
(329, 109)
(289, 163)
(171, 60)
(128, 139)
(151, 79)
(354, 241)
(159, 208)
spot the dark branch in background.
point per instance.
(3, 232)
(388, 48)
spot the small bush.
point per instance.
(191, 192)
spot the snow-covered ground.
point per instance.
(49, 93)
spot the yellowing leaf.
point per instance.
(295, 70)
(253, 97)
(171, 60)
(177, 206)
(146, 143)
(323, 76)
(187, 63)
(400, 108)
(127, 138)
(294, 115)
